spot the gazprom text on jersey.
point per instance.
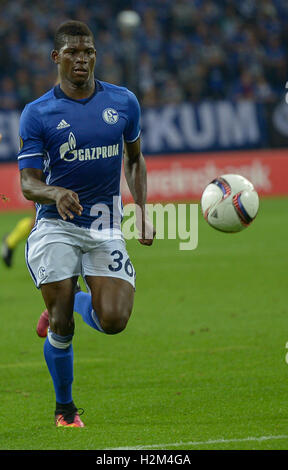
(93, 153)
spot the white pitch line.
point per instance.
(199, 443)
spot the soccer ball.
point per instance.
(128, 19)
(229, 203)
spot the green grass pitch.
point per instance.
(201, 364)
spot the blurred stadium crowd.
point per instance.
(184, 50)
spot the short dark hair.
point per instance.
(70, 28)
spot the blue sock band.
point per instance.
(83, 306)
(58, 353)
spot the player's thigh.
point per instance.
(110, 276)
(111, 296)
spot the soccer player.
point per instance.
(11, 240)
(70, 164)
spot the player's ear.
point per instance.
(55, 56)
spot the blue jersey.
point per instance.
(79, 145)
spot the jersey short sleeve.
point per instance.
(31, 141)
(132, 129)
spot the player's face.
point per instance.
(76, 59)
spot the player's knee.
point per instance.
(61, 324)
(114, 321)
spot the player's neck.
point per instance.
(78, 92)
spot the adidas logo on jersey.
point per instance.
(62, 124)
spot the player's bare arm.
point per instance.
(34, 189)
(136, 177)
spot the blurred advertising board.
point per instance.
(277, 124)
(207, 126)
(182, 177)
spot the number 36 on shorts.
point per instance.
(118, 263)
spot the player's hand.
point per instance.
(145, 228)
(67, 203)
